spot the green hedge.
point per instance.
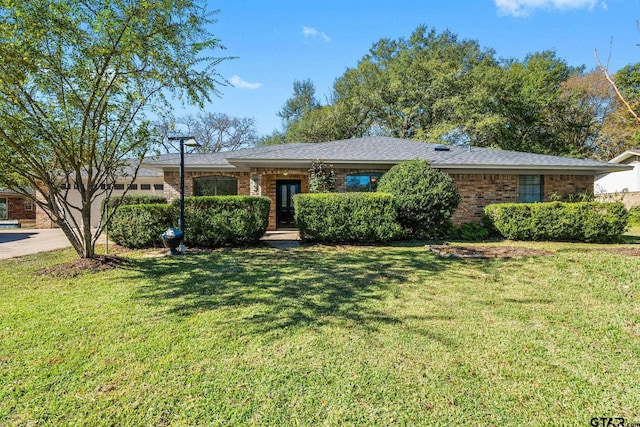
(212, 221)
(634, 215)
(140, 226)
(346, 217)
(133, 199)
(584, 221)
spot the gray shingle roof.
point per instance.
(380, 150)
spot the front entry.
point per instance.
(285, 189)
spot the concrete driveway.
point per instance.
(18, 242)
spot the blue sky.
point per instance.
(279, 41)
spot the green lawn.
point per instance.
(323, 336)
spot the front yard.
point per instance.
(323, 335)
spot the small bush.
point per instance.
(212, 221)
(583, 221)
(346, 217)
(425, 198)
(634, 215)
(472, 231)
(140, 226)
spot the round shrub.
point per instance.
(425, 198)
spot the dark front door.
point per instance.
(285, 189)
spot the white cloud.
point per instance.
(310, 32)
(236, 81)
(524, 7)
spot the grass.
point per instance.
(322, 336)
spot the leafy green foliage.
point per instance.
(322, 178)
(557, 221)
(634, 215)
(76, 79)
(471, 231)
(133, 199)
(346, 217)
(212, 221)
(140, 225)
(425, 198)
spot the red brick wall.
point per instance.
(16, 208)
(172, 182)
(479, 190)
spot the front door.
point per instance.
(285, 189)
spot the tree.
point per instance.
(302, 101)
(76, 79)
(214, 131)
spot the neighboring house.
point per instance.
(622, 184)
(482, 176)
(16, 209)
(148, 181)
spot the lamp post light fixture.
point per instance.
(189, 141)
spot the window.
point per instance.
(28, 205)
(530, 188)
(145, 186)
(367, 181)
(118, 186)
(158, 186)
(4, 211)
(133, 186)
(215, 186)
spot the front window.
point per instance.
(215, 186)
(530, 188)
(366, 182)
(4, 211)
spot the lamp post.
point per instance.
(189, 141)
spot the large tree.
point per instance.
(76, 79)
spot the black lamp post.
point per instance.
(189, 141)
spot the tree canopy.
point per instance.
(435, 87)
(77, 78)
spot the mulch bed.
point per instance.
(623, 251)
(83, 265)
(482, 252)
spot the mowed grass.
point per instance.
(323, 335)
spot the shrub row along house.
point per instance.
(483, 176)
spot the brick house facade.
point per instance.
(15, 207)
(482, 176)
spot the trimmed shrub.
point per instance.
(425, 198)
(140, 226)
(583, 221)
(346, 217)
(133, 199)
(212, 221)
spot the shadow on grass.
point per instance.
(264, 290)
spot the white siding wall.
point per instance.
(74, 197)
(616, 182)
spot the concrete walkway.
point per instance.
(282, 239)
